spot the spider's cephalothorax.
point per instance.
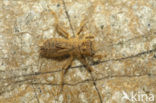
(87, 48)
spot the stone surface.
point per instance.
(125, 35)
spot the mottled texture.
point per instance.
(125, 32)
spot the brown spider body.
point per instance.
(70, 47)
(60, 47)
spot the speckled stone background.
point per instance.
(125, 35)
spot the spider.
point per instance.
(79, 47)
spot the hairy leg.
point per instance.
(80, 29)
(85, 63)
(89, 68)
(59, 29)
(65, 69)
(62, 32)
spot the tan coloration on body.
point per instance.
(59, 47)
(70, 47)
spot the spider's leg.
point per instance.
(62, 32)
(59, 29)
(80, 29)
(89, 68)
(64, 70)
(85, 63)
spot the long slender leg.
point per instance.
(65, 69)
(68, 64)
(80, 29)
(68, 17)
(85, 63)
(89, 68)
(59, 29)
(62, 32)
